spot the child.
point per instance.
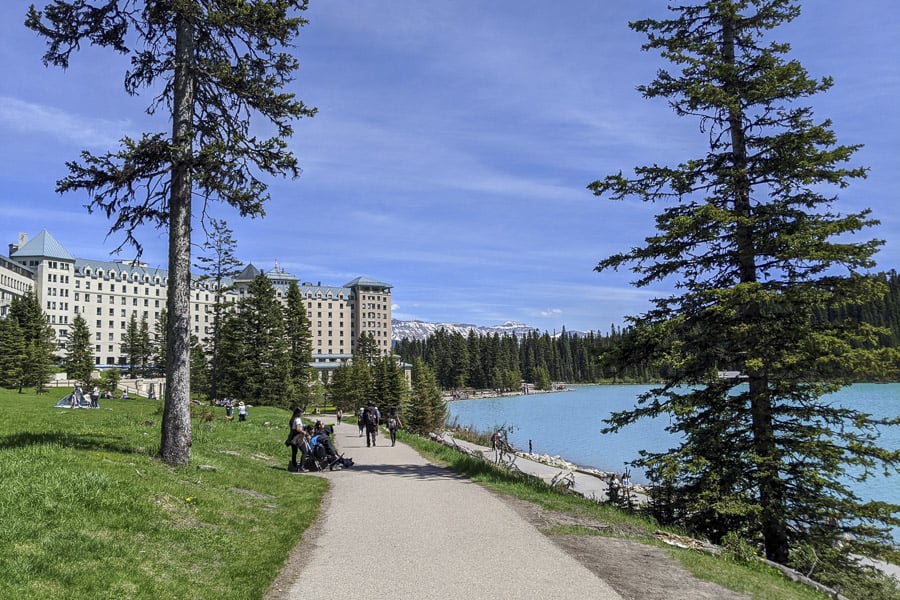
(242, 412)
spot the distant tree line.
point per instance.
(503, 361)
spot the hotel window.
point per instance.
(97, 336)
(87, 297)
(99, 324)
(99, 312)
(112, 287)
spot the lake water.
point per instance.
(568, 424)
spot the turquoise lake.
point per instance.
(568, 424)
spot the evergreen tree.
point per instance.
(366, 349)
(160, 342)
(220, 266)
(299, 337)
(199, 369)
(211, 65)
(145, 345)
(260, 368)
(427, 410)
(235, 356)
(751, 243)
(12, 355)
(110, 379)
(341, 390)
(79, 353)
(131, 345)
(38, 338)
(389, 384)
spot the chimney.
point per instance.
(23, 239)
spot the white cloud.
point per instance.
(32, 118)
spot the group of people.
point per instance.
(304, 439)
(229, 409)
(368, 419)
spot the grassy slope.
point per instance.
(87, 511)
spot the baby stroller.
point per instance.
(320, 454)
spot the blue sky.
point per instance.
(453, 147)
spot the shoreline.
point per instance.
(461, 396)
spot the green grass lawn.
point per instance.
(88, 511)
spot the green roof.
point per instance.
(367, 282)
(43, 245)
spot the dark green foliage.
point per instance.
(390, 389)
(79, 353)
(200, 369)
(255, 351)
(756, 254)
(299, 336)
(12, 355)
(427, 410)
(109, 380)
(137, 346)
(219, 266)
(30, 358)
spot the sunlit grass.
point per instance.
(88, 511)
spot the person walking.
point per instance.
(295, 441)
(340, 415)
(242, 411)
(393, 424)
(371, 418)
(360, 420)
(95, 397)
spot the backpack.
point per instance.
(371, 418)
(392, 423)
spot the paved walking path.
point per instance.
(395, 526)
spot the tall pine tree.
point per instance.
(755, 249)
(79, 353)
(38, 341)
(299, 335)
(210, 65)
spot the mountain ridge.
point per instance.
(420, 330)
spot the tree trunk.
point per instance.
(175, 448)
(771, 497)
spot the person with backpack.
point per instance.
(393, 424)
(371, 417)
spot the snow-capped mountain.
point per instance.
(420, 330)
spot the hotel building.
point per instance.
(107, 293)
